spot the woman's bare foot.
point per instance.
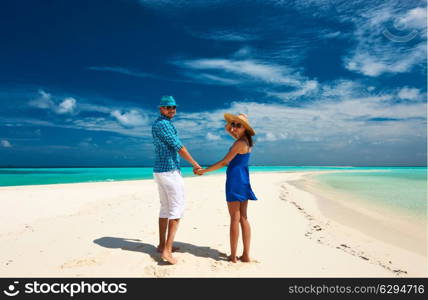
(233, 259)
(167, 257)
(174, 249)
(244, 258)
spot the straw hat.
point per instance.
(241, 118)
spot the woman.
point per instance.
(238, 188)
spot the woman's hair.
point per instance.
(247, 135)
(249, 138)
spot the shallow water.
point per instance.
(397, 189)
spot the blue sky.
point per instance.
(323, 82)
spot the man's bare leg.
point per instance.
(163, 226)
(166, 254)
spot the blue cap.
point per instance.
(167, 101)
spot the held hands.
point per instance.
(196, 169)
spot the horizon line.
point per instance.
(151, 166)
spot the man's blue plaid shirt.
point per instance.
(167, 145)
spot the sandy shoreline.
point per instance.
(381, 223)
(361, 232)
(109, 229)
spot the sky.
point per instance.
(323, 82)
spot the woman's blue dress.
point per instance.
(238, 186)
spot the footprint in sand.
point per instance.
(75, 263)
(214, 266)
(30, 228)
(154, 271)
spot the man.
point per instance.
(168, 149)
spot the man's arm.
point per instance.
(186, 155)
(169, 137)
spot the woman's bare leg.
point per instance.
(234, 213)
(246, 232)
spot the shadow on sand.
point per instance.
(138, 246)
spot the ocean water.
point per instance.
(37, 176)
(402, 190)
(399, 188)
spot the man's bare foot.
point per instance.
(167, 257)
(233, 259)
(174, 249)
(244, 258)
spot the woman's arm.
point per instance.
(236, 148)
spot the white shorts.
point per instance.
(171, 194)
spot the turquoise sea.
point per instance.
(389, 204)
(403, 188)
(37, 176)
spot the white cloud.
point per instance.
(252, 69)
(269, 136)
(88, 143)
(409, 93)
(388, 40)
(128, 122)
(131, 118)
(340, 89)
(5, 144)
(272, 137)
(414, 18)
(248, 73)
(124, 71)
(334, 120)
(366, 64)
(212, 137)
(212, 79)
(331, 35)
(66, 106)
(102, 124)
(371, 63)
(243, 52)
(226, 35)
(341, 111)
(307, 87)
(94, 108)
(43, 102)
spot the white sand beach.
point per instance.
(110, 229)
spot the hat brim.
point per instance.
(230, 118)
(167, 105)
